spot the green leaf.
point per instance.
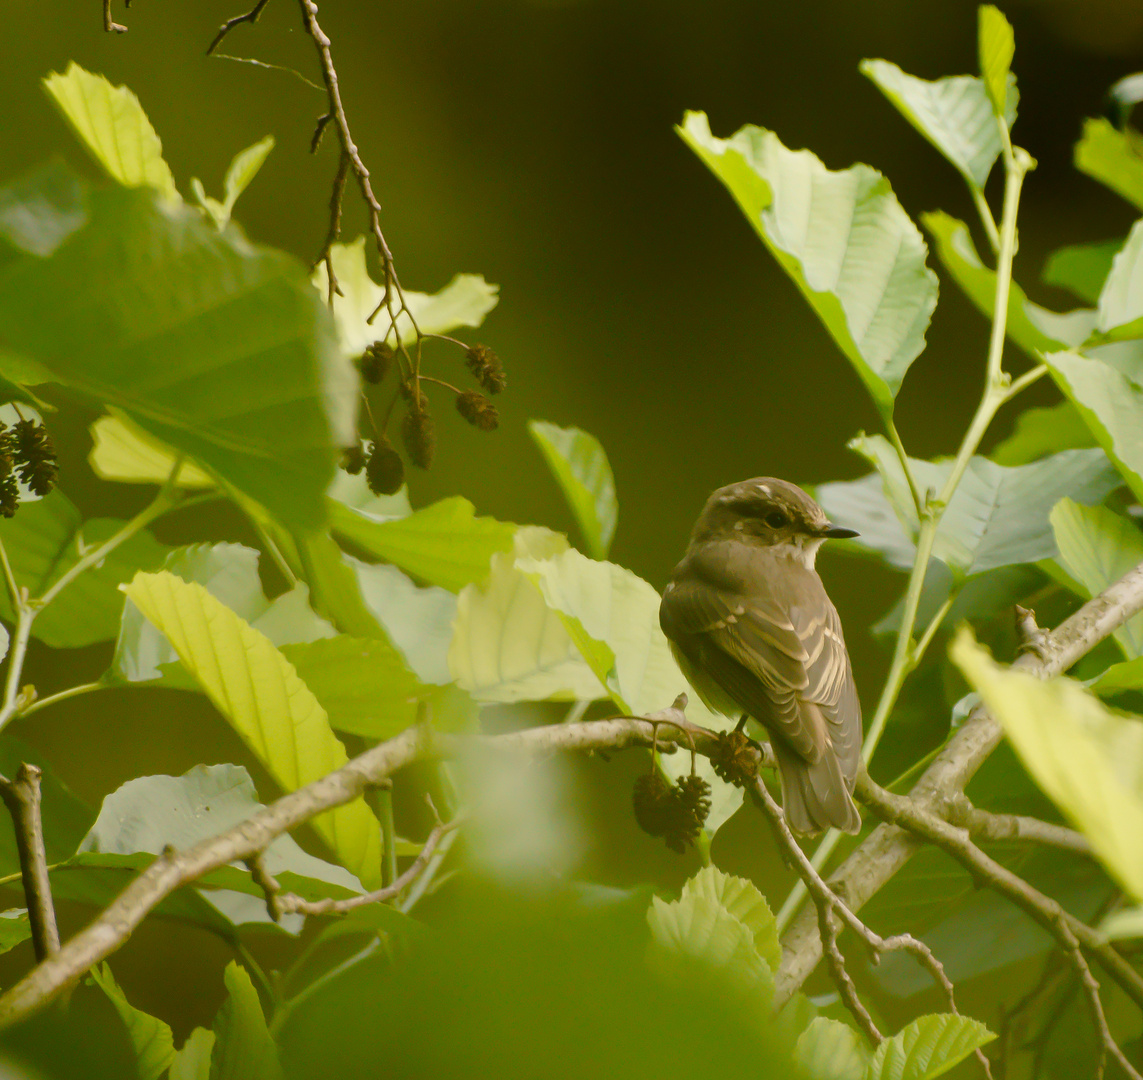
(1110, 401)
(14, 928)
(508, 645)
(124, 452)
(1121, 301)
(696, 934)
(151, 1039)
(47, 538)
(1086, 758)
(1119, 678)
(1034, 328)
(444, 544)
(213, 345)
(582, 470)
(111, 123)
(612, 615)
(1097, 547)
(192, 1060)
(928, 1047)
(259, 694)
(1042, 431)
(1082, 268)
(743, 900)
(996, 45)
(367, 689)
(242, 170)
(244, 1048)
(954, 114)
(844, 240)
(831, 1050)
(998, 516)
(464, 301)
(1113, 158)
(229, 572)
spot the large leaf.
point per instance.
(928, 1047)
(1082, 268)
(111, 124)
(508, 644)
(582, 470)
(367, 689)
(954, 114)
(613, 617)
(124, 452)
(1113, 158)
(1086, 758)
(843, 238)
(1110, 401)
(1121, 299)
(743, 900)
(260, 695)
(1097, 547)
(1042, 431)
(831, 1050)
(998, 516)
(151, 1039)
(1034, 328)
(464, 301)
(444, 544)
(243, 1048)
(229, 572)
(46, 539)
(217, 347)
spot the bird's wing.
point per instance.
(754, 652)
(830, 683)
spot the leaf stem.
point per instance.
(895, 439)
(62, 695)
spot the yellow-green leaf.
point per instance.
(124, 452)
(997, 46)
(151, 1039)
(743, 900)
(1088, 759)
(831, 1050)
(260, 695)
(113, 126)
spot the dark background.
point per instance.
(533, 143)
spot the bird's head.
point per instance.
(767, 513)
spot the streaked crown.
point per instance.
(763, 511)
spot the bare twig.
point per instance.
(983, 825)
(326, 255)
(251, 16)
(22, 798)
(886, 850)
(110, 26)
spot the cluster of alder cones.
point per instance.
(383, 465)
(26, 451)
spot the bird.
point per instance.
(755, 633)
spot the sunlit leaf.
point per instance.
(1121, 300)
(1034, 328)
(743, 900)
(192, 1059)
(124, 452)
(242, 170)
(259, 694)
(1086, 758)
(509, 645)
(582, 470)
(954, 114)
(1113, 157)
(844, 240)
(151, 1039)
(1097, 547)
(443, 544)
(996, 45)
(464, 301)
(112, 125)
(831, 1050)
(928, 1047)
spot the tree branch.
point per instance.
(886, 850)
(985, 826)
(22, 798)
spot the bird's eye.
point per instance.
(777, 520)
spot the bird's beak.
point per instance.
(835, 532)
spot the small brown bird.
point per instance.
(754, 632)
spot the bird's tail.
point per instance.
(815, 795)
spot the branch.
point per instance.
(985, 826)
(22, 797)
(886, 850)
(110, 26)
(251, 16)
(173, 869)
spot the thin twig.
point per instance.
(22, 798)
(251, 16)
(983, 825)
(110, 26)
